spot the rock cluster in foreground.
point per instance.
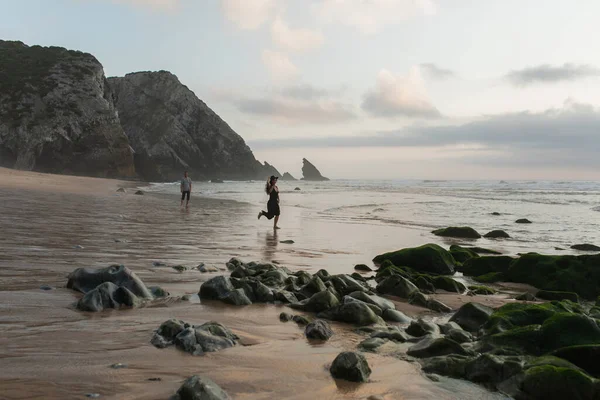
(194, 339)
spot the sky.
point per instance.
(367, 89)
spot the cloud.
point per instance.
(279, 65)
(398, 96)
(435, 72)
(302, 112)
(370, 16)
(248, 14)
(296, 40)
(559, 137)
(551, 74)
(305, 91)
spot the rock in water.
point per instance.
(200, 388)
(319, 330)
(523, 221)
(350, 366)
(171, 130)
(362, 267)
(458, 232)
(87, 279)
(121, 190)
(140, 193)
(496, 234)
(310, 172)
(107, 295)
(585, 247)
(288, 177)
(426, 258)
(57, 114)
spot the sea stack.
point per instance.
(288, 177)
(310, 172)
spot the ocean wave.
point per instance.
(596, 209)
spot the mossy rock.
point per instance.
(429, 258)
(514, 315)
(548, 382)
(448, 284)
(462, 254)
(463, 232)
(482, 290)
(390, 269)
(497, 234)
(585, 247)
(551, 360)
(526, 297)
(565, 330)
(577, 274)
(472, 316)
(584, 356)
(484, 265)
(481, 250)
(491, 277)
(423, 282)
(524, 339)
(550, 295)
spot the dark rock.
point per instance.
(362, 267)
(171, 328)
(350, 366)
(87, 279)
(497, 234)
(310, 172)
(429, 258)
(300, 320)
(200, 388)
(345, 284)
(318, 302)
(377, 310)
(424, 284)
(284, 296)
(554, 383)
(584, 357)
(418, 299)
(421, 327)
(287, 242)
(107, 295)
(57, 114)
(285, 317)
(287, 177)
(482, 290)
(118, 366)
(297, 188)
(464, 232)
(460, 336)
(523, 221)
(315, 285)
(481, 250)
(353, 313)
(451, 365)
(396, 336)
(448, 284)
(46, 287)
(319, 330)
(237, 297)
(171, 130)
(438, 306)
(448, 326)
(488, 369)
(526, 297)
(550, 295)
(496, 213)
(121, 190)
(396, 316)
(585, 247)
(92, 395)
(139, 193)
(396, 285)
(216, 288)
(155, 379)
(462, 254)
(186, 341)
(577, 274)
(380, 302)
(431, 346)
(372, 344)
(484, 265)
(472, 316)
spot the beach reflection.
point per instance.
(270, 248)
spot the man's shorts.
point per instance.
(185, 193)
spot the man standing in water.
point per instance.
(186, 188)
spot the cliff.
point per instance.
(270, 170)
(310, 172)
(171, 130)
(57, 114)
(288, 177)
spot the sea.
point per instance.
(563, 213)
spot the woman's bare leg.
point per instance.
(275, 223)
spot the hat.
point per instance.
(273, 177)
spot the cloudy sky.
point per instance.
(470, 89)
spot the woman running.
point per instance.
(273, 203)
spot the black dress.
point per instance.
(272, 205)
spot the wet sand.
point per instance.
(54, 224)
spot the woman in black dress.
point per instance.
(273, 203)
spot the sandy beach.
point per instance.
(52, 225)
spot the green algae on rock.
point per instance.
(463, 232)
(429, 258)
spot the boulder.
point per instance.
(171, 328)
(372, 344)
(319, 330)
(377, 310)
(310, 172)
(380, 302)
(421, 327)
(87, 279)
(140, 193)
(448, 284)
(318, 302)
(485, 265)
(345, 284)
(450, 365)
(462, 254)
(583, 356)
(585, 247)
(315, 285)
(197, 339)
(418, 299)
(472, 316)
(200, 388)
(396, 285)
(463, 232)
(481, 250)
(496, 234)
(350, 366)
(460, 336)
(107, 295)
(287, 177)
(216, 288)
(353, 313)
(431, 346)
(553, 295)
(362, 267)
(391, 315)
(237, 297)
(523, 221)
(567, 273)
(438, 306)
(481, 290)
(556, 383)
(429, 258)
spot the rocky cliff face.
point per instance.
(288, 177)
(310, 172)
(171, 130)
(57, 114)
